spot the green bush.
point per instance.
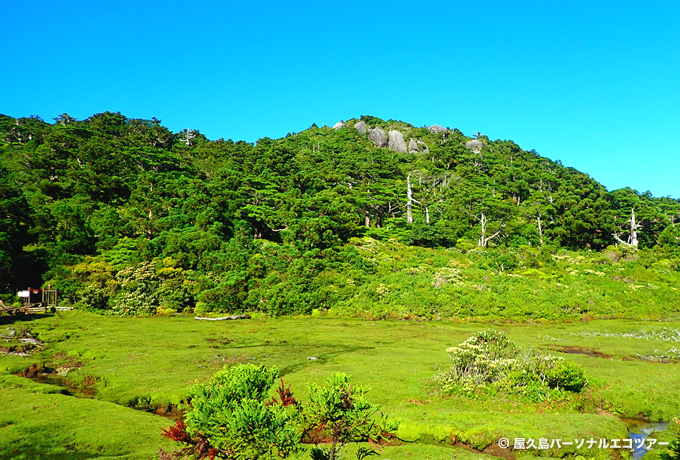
(673, 451)
(526, 384)
(231, 415)
(566, 375)
(92, 297)
(340, 413)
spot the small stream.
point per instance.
(50, 376)
(60, 381)
(639, 430)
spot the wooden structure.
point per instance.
(10, 309)
(49, 297)
(36, 299)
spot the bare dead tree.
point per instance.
(189, 135)
(632, 237)
(483, 239)
(409, 200)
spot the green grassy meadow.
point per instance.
(150, 363)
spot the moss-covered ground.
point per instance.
(151, 362)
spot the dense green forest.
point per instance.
(369, 217)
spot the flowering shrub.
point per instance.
(481, 359)
(137, 290)
(489, 360)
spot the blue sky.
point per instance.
(593, 84)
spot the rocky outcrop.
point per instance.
(361, 127)
(339, 125)
(378, 137)
(436, 129)
(397, 142)
(415, 146)
(474, 145)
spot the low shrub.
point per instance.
(482, 359)
(673, 450)
(339, 413)
(565, 375)
(231, 417)
(489, 360)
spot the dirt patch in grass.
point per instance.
(88, 387)
(34, 371)
(58, 377)
(63, 360)
(169, 411)
(574, 350)
(215, 342)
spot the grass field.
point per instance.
(151, 362)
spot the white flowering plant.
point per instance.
(490, 361)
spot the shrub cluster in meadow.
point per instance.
(232, 417)
(489, 360)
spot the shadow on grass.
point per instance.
(11, 319)
(48, 451)
(322, 358)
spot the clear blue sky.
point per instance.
(593, 84)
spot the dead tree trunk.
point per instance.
(189, 136)
(632, 237)
(409, 198)
(483, 239)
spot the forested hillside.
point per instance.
(368, 217)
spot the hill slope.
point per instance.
(124, 215)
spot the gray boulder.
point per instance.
(361, 127)
(474, 145)
(423, 147)
(397, 142)
(378, 137)
(436, 129)
(339, 125)
(413, 146)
